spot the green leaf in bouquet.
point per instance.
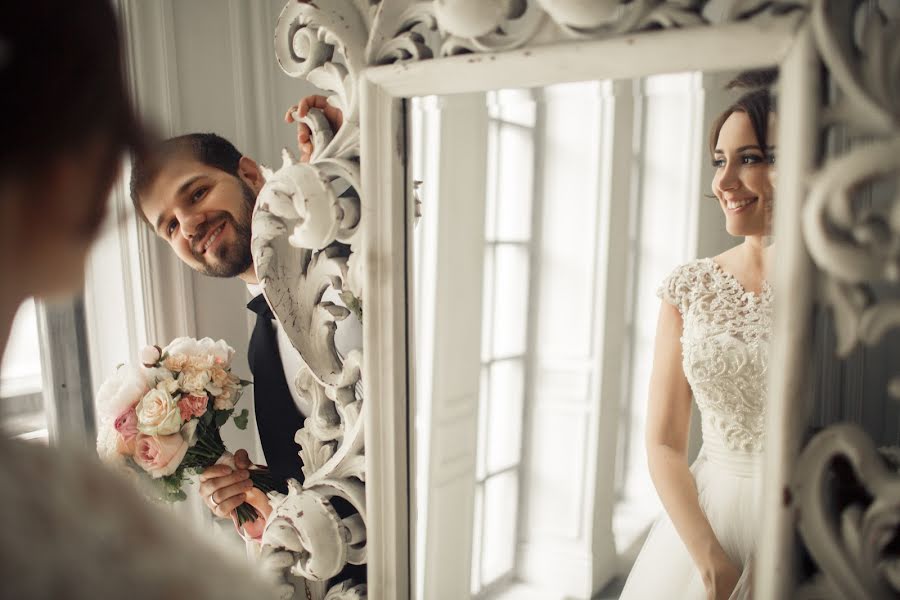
(240, 421)
(207, 418)
(177, 496)
(245, 382)
(222, 417)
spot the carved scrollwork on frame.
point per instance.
(310, 217)
(857, 245)
(849, 516)
(307, 226)
(846, 496)
(426, 29)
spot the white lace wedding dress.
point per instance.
(725, 359)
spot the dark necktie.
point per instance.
(277, 416)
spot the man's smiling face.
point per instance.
(204, 213)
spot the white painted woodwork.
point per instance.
(449, 340)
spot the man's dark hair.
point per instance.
(208, 148)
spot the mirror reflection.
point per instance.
(589, 269)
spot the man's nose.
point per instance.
(190, 224)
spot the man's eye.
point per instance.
(170, 228)
(198, 194)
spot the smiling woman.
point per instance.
(712, 345)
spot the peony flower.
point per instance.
(219, 351)
(158, 414)
(160, 455)
(224, 401)
(192, 406)
(175, 362)
(194, 381)
(120, 392)
(150, 355)
(220, 380)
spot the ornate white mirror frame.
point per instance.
(370, 55)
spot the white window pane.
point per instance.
(483, 402)
(477, 541)
(504, 434)
(492, 181)
(514, 183)
(20, 372)
(487, 308)
(510, 299)
(513, 106)
(22, 412)
(501, 500)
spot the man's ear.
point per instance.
(250, 173)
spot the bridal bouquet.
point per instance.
(161, 420)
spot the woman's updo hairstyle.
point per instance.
(756, 103)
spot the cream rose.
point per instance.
(158, 414)
(160, 455)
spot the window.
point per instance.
(22, 412)
(505, 333)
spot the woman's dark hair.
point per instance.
(62, 84)
(757, 103)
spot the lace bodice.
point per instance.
(724, 351)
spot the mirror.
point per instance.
(549, 218)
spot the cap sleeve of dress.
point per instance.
(677, 288)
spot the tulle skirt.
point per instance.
(728, 489)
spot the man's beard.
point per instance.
(236, 258)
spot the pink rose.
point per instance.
(126, 424)
(160, 455)
(192, 406)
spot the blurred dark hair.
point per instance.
(208, 148)
(62, 84)
(756, 103)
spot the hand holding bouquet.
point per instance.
(161, 420)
